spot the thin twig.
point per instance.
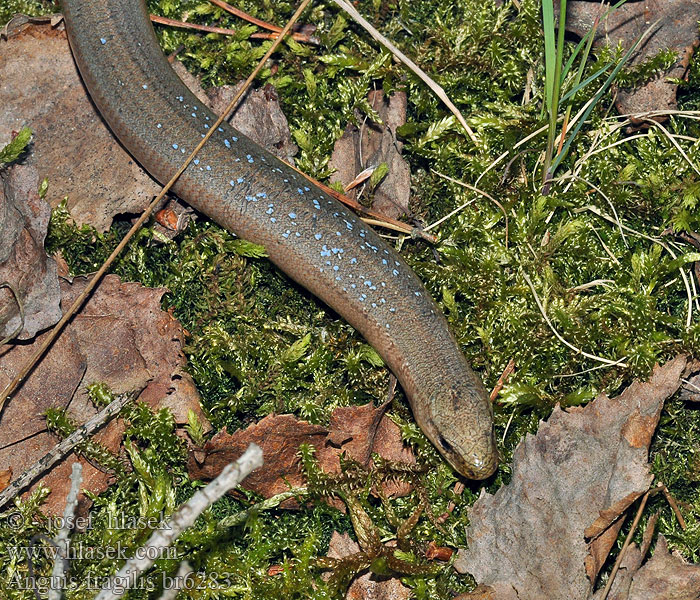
(180, 520)
(507, 372)
(605, 361)
(64, 447)
(183, 572)
(62, 541)
(456, 210)
(674, 506)
(299, 37)
(348, 8)
(628, 540)
(29, 365)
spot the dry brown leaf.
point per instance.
(122, 338)
(5, 478)
(258, 115)
(665, 576)
(690, 390)
(570, 481)
(24, 218)
(72, 146)
(677, 30)
(371, 145)
(367, 586)
(356, 430)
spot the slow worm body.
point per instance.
(307, 234)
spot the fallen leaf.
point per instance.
(571, 481)
(690, 390)
(24, 218)
(367, 586)
(122, 338)
(356, 430)
(72, 146)
(677, 30)
(5, 478)
(258, 115)
(665, 576)
(373, 144)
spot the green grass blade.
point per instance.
(550, 51)
(599, 95)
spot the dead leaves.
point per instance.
(29, 301)
(371, 145)
(73, 147)
(356, 430)
(548, 532)
(122, 338)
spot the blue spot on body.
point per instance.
(232, 183)
(318, 236)
(335, 268)
(196, 161)
(194, 115)
(227, 143)
(235, 139)
(353, 260)
(208, 168)
(273, 220)
(220, 129)
(240, 180)
(292, 215)
(175, 146)
(206, 126)
(392, 309)
(250, 158)
(144, 86)
(299, 190)
(395, 272)
(368, 283)
(159, 125)
(103, 41)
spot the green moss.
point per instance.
(609, 282)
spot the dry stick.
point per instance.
(507, 372)
(180, 520)
(348, 8)
(299, 37)
(183, 573)
(628, 540)
(674, 506)
(12, 386)
(62, 541)
(64, 447)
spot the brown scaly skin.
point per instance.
(310, 236)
